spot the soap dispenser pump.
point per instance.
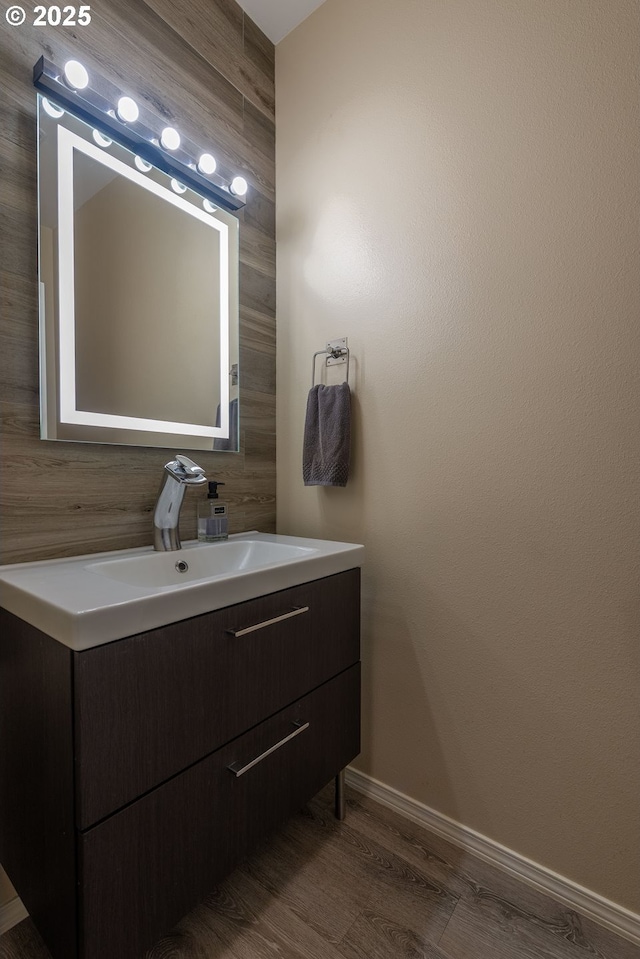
(213, 517)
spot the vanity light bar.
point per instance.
(97, 104)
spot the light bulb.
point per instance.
(207, 164)
(101, 139)
(170, 138)
(75, 75)
(142, 165)
(209, 207)
(127, 110)
(52, 109)
(178, 187)
(239, 186)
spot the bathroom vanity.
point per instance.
(136, 774)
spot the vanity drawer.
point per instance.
(151, 705)
(145, 867)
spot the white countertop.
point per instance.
(78, 602)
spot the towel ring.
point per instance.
(336, 352)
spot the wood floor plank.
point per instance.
(480, 884)
(241, 920)
(23, 942)
(389, 877)
(490, 927)
(377, 934)
(310, 884)
(603, 942)
(441, 861)
(375, 886)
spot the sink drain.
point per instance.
(181, 566)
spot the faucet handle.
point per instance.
(190, 468)
(185, 470)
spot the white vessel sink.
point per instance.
(85, 601)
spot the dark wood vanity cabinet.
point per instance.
(128, 786)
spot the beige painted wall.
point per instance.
(458, 194)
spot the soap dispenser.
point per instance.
(213, 518)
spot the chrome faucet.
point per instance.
(179, 473)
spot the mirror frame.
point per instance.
(60, 417)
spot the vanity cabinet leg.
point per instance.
(340, 798)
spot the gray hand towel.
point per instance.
(327, 436)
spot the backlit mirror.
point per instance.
(138, 298)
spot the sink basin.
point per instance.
(85, 601)
(207, 561)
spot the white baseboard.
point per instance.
(616, 918)
(11, 913)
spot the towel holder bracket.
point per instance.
(337, 353)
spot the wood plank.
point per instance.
(345, 874)
(311, 876)
(19, 338)
(259, 371)
(261, 213)
(257, 331)
(20, 244)
(273, 906)
(478, 883)
(213, 30)
(257, 249)
(260, 451)
(405, 896)
(378, 932)
(259, 48)
(492, 928)
(216, 32)
(497, 913)
(257, 290)
(373, 836)
(260, 134)
(445, 863)
(474, 880)
(241, 920)
(259, 410)
(23, 942)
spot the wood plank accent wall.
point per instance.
(205, 66)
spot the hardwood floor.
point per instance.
(375, 886)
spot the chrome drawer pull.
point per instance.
(269, 622)
(300, 728)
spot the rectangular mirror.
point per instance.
(138, 298)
